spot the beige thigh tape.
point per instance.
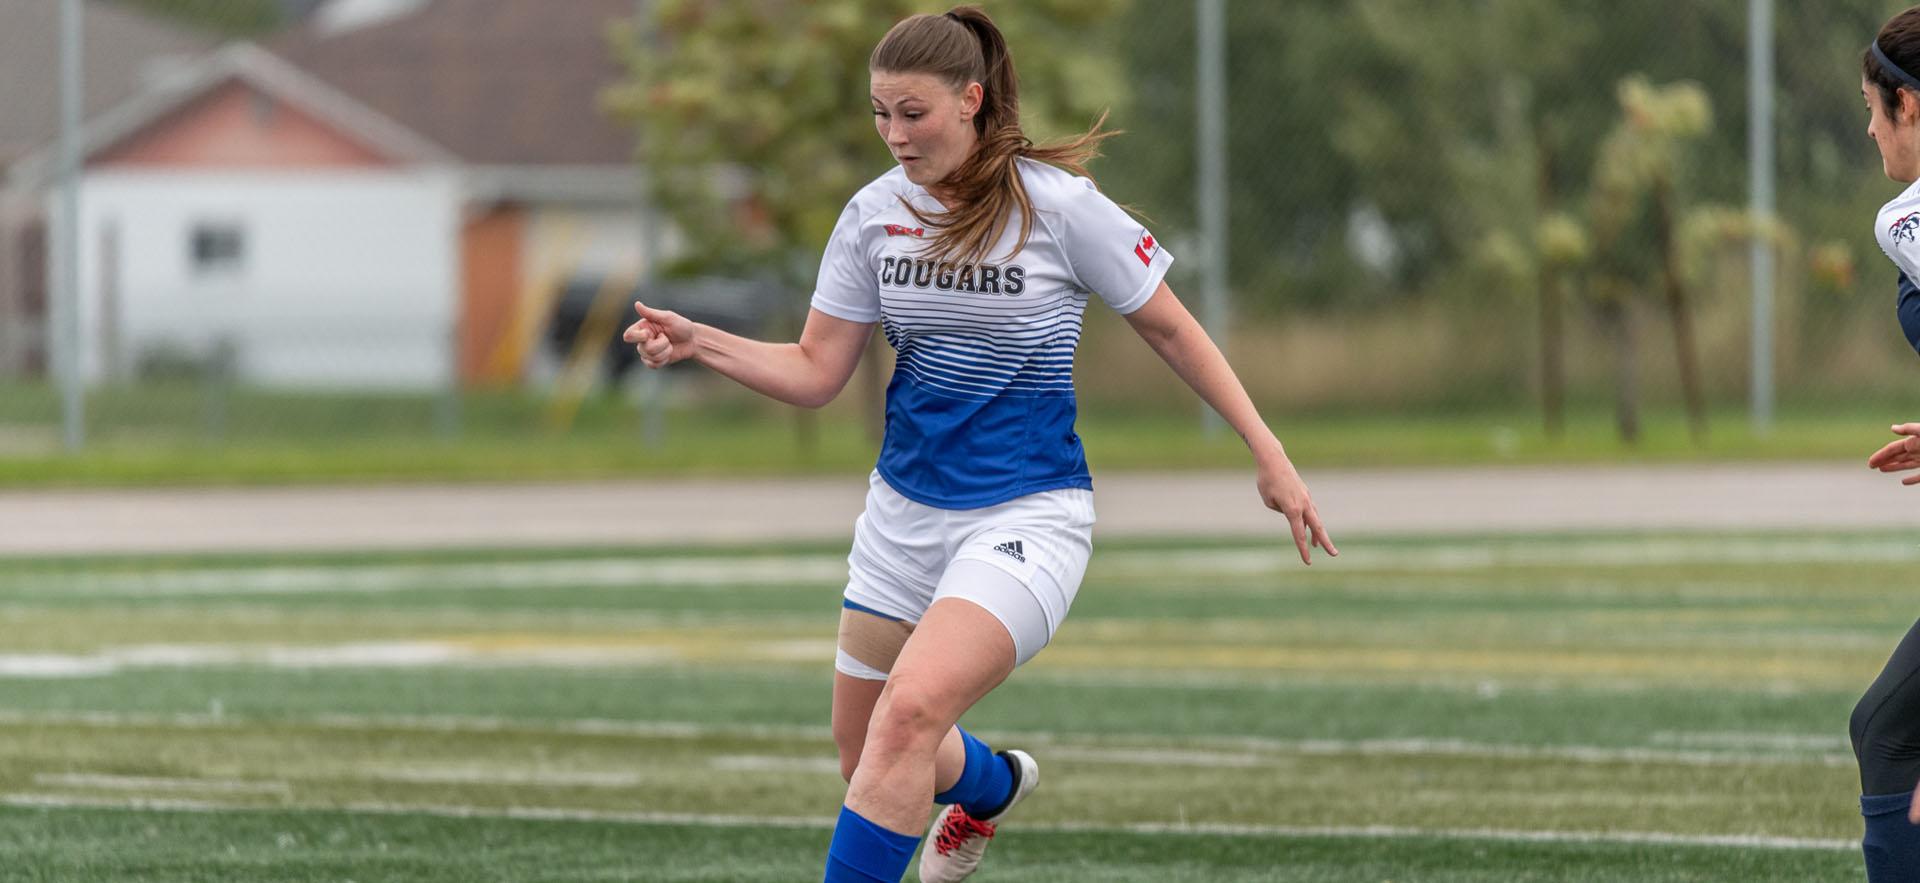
(873, 640)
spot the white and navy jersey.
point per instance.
(981, 407)
(1898, 232)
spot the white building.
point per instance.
(377, 201)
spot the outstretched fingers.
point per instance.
(1302, 537)
(1901, 453)
(1320, 537)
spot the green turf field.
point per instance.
(158, 435)
(1591, 709)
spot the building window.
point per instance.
(217, 248)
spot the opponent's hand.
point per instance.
(661, 337)
(1901, 454)
(1283, 492)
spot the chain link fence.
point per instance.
(1516, 206)
(1504, 203)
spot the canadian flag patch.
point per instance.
(1146, 248)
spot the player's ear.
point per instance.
(1909, 110)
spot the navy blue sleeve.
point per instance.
(1909, 309)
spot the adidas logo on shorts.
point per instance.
(1013, 550)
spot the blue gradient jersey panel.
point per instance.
(1898, 232)
(981, 408)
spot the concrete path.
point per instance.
(1755, 496)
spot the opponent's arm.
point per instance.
(808, 374)
(1164, 323)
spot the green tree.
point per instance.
(754, 123)
(755, 127)
(1466, 127)
(232, 18)
(1636, 220)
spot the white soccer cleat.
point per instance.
(958, 841)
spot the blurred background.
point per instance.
(400, 237)
(340, 537)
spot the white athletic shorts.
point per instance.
(1021, 560)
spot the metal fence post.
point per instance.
(1211, 189)
(1760, 155)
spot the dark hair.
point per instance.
(1899, 38)
(961, 47)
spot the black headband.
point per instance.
(1894, 69)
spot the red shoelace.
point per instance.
(956, 828)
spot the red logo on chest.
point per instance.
(897, 230)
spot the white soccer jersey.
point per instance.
(1898, 230)
(981, 407)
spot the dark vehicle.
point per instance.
(584, 306)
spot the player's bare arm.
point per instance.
(1166, 325)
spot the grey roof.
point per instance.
(263, 71)
(496, 82)
(124, 52)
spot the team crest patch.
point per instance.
(1147, 247)
(1905, 229)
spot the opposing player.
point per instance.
(976, 256)
(1886, 722)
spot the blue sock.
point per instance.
(985, 782)
(863, 852)
(1892, 843)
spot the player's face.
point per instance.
(927, 124)
(1898, 140)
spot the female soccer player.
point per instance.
(975, 256)
(1886, 723)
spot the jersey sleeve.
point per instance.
(1901, 241)
(1110, 253)
(847, 287)
(1908, 309)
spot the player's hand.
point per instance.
(661, 337)
(1901, 454)
(1283, 492)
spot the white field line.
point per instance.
(773, 763)
(592, 572)
(780, 763)
(439, 724)
(722, 571)
(1775, 741)
(1115, 748)
(149, 783)
(454, 654)
(1282, 681)
(1477, 556)
(473, 775)
(1368, 832)
(387, 654)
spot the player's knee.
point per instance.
(907, 717)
